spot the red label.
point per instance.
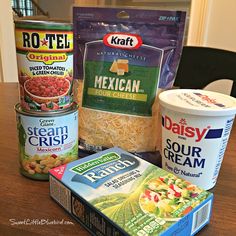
(58, 171)
(122, 40)
(183, 129)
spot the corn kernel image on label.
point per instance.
(46, 141)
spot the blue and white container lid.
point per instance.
(198, 102)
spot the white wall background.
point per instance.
(8, 68)
(221, 25)
(212, 24)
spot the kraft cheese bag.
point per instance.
(122, 59)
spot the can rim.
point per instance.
(43, 22)
(69, 110)
(43, 25)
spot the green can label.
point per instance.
(46, 142)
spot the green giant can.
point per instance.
(46, 140)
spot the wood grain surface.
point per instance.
(24, 202)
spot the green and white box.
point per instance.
(116, 193)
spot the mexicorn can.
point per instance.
(45, 64)
(46, 140)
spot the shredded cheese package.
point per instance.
(122, 59)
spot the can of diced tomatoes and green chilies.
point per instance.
(45, 64)
(46, 140)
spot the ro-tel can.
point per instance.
(45, 62)
(46, 140)
(196, 125)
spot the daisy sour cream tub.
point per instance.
(196, 125)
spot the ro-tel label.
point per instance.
(97, 171)
(187, 148)
(46, 46)
(121, 74)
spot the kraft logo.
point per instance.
(181, 128)
(122, 40)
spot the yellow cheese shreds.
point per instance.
(134, 134)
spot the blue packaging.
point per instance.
(114, 192)
(123, 58)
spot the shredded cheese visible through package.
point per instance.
(135, 134)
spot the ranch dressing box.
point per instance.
(116, 193)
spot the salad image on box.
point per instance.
(116, 193)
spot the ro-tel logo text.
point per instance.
(44, 46)
(44, 41)
(51, 41)
(181, 128)
(122, 40)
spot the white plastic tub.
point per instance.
(196, 125)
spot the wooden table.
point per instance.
(25, 203)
